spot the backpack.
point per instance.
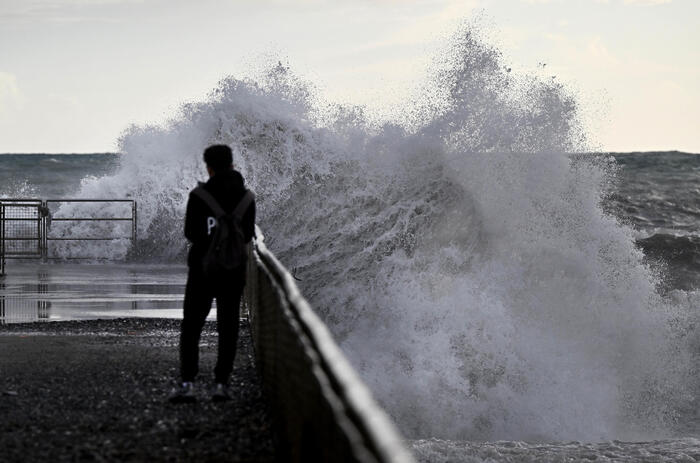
(227, 250)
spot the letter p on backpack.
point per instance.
(227, 250)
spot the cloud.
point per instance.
(646, 2)
(10, 96)
(61, 10)
(425, 28)
(632, 2)
(11, 101)
(600, 54)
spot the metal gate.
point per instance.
(20, 229)
(25, 226)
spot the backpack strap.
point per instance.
(209, 200)
(216, 208)
(243, 204)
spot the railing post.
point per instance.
(2, 240)
(134, 222)
(43, 229)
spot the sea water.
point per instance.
(491, 284)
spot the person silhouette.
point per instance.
(226, 186)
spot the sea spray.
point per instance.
(460, 256)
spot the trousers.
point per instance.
(199, 294)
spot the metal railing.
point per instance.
(25, 226)
(51, 219)
(322, 410)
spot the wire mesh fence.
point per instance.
(322, 409)
(21, 223)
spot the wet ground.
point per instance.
(32, 291)
(78, 382)
(96, 391)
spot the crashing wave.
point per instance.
(460, 255)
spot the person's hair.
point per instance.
(218, 158)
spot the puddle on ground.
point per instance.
(68, 291)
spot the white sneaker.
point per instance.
(220, 393)
(184, 393)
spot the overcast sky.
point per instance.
(75, 73)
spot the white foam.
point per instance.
(461, 258)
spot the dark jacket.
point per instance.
(228, 189)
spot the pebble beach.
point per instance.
(96, 390)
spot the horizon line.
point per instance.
(113, 153)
